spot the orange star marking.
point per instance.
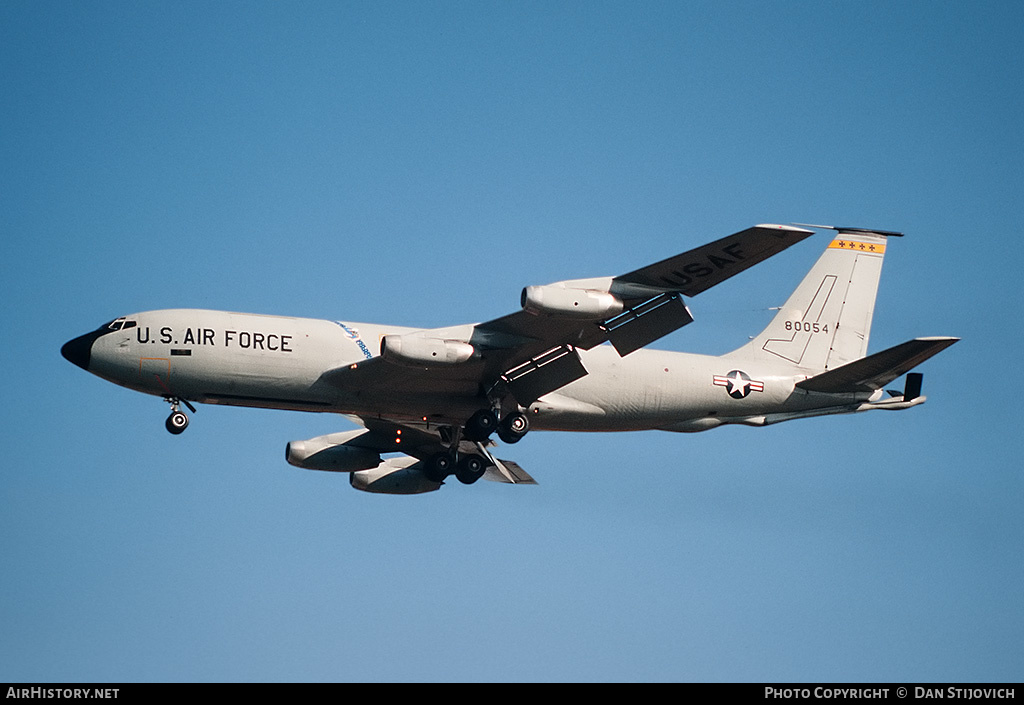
(870, 247)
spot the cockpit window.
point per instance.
(121, 323)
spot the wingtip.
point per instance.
(948, 339)
(788, 228)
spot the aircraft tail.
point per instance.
(876, 371)
(826, 321)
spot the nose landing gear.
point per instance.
(178, 420)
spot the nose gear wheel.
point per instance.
(177, 422)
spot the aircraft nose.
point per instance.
(78, 350)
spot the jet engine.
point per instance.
(336, 452)
(566, 302)
(416, 350)
(340, 452)
(394, 476)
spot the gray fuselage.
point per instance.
(285, 363)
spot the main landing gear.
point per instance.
(483, 423)
(470, 467)
(178, 420)
(513, 427)
(467, 467)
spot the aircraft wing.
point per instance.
(534, 352)
(702, 268)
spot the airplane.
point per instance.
(572, 358)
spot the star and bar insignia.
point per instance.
(738, 384)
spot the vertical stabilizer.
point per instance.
(826, 322)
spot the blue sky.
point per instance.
(418, 163)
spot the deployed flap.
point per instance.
(508, 472)
(698, 270)
(545, 373)
(504, 470)
(643, 324)
(875, 371)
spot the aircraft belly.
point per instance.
(432, 408)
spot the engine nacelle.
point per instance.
(332, 453)
(415, 350)
(566, 302)
(394, 476)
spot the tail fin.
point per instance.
(826, 322)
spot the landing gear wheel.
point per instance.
(438, 467)
(471, 468)
(176, 422)
(513, 427)
(481, 425)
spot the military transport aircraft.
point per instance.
(434, 398)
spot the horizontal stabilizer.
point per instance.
(875, 371)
